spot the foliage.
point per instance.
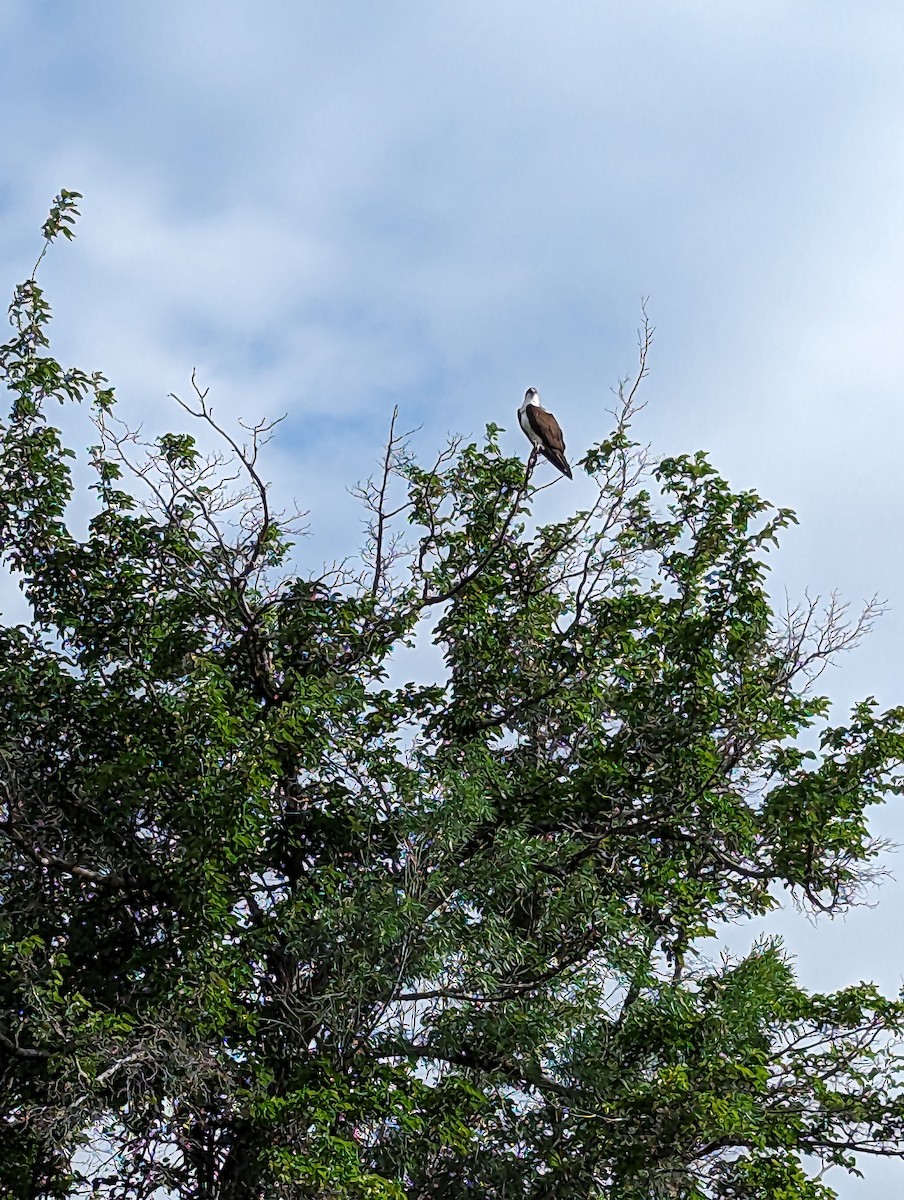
(273, 924)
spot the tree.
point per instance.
(274, 925)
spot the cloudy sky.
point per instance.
(329, 209)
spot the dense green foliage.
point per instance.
(275, 925)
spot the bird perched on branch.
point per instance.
(543, 430)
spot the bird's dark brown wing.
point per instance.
(548, 429)
(545, 424)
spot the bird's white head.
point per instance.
(531, 396)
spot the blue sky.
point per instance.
(331, 209)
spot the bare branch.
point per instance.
(381, 504)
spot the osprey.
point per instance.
(543, 430)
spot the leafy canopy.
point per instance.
(273, 924)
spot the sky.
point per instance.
(332, 209)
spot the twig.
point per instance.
(381, 504)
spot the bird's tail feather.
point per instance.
(558, 460)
